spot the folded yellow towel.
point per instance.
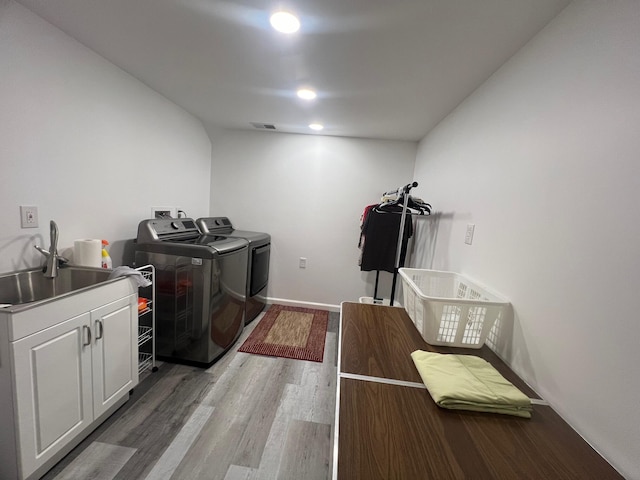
(467, 382)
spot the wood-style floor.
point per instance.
(247, 417)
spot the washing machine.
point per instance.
(201, 283)
(258, 261)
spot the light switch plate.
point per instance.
(28, 216)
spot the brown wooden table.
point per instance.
(388, 427)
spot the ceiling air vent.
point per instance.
(263, 126)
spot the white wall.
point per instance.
(308, 192)
(543, 159)
(89, 145)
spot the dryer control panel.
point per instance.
(219, 225)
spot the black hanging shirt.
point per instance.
(380, 230)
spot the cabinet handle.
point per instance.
(101, 330)
(88, 330)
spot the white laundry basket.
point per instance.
(449, 309)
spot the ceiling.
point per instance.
(389, 69)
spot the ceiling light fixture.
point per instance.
(316, 126)
(285, 22)
(306, 93)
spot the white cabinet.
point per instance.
(59, 382)
(53, 389)
(114, 352)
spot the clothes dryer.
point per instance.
(258, 261)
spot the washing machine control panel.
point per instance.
(166, 229)
(168, 225)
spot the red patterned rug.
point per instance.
(290, 332)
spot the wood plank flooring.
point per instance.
(247, 417)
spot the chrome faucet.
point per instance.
(53, 259)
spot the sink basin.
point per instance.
(31, 285)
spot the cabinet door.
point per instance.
(53, 389)
(115, 352)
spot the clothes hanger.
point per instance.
(415, 207)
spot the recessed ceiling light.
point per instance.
(316, 126)
(306, 93)
(285, 22)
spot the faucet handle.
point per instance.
(42, 250)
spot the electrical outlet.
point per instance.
(303, 262)
(468, 238)
(163, 212)
(28, 217)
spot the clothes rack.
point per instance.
(392, 200)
